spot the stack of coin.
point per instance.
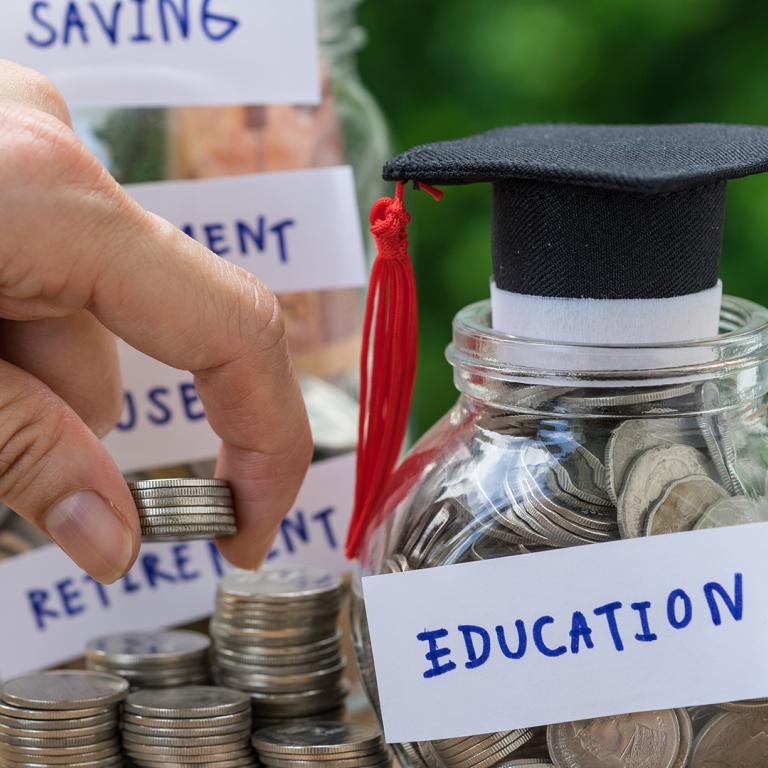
(191, 725)
(276, 636)
(184, 508)
(61, 718)
(321, 745)
(152, 659)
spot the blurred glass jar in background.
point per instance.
(346, 128)
(545, 449)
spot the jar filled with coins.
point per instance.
(607, 391)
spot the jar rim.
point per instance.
(480, 350)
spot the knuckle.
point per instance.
(33, 89)
(30, 427)
(41, 149)
(268, 324)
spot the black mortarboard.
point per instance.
(599, 211)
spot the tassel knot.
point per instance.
(390, 334)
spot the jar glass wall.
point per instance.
(555, 446)
(346, 128)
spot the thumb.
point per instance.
(55, 473)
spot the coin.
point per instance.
(145, 648)
(645, 738)
(736, 511)
(280, 584)
(732, 739)
(183, 482)
(157, 494)
(686, 738)
(633, 437)
(647, 479)
(187, 701)
(64, 689)
(321, 738)
(682, 504)
(147, 505)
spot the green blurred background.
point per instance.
(445, 68)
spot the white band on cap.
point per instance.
(608, 321)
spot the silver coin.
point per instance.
(733, 739)
(65, 690)
(644, 738)
(11, 711)
(148, 648)
(633, 437)
(188, 701)
(45, 734)
(173, 532)
(182, 482)
(280, 584)
(635, 397)
(157, 494)
(686, 738)
(170, 521)
(148, 505)
(203, 723)
(647, 479)
(682, 504)
(150, 516)
(737, 511)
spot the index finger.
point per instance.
(171, 298)
(76, 240)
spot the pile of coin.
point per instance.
(276, 636)
(191, 725)
(152, 659)
(61, 718)
(184, 508)
(321, 745)
(556, 469)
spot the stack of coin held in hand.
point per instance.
(321, 745)
(276, 636)
(192, 725)
(152, 659)
(184, 508)
(61, 718)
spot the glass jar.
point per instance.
(557, 445)
(346, 128)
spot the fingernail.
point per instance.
(90, 531)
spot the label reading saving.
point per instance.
(168, 52)
(627, 626)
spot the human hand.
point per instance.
(81, 261)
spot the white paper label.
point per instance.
(627, 626)
(109, 53)
(294, 230)
(297, 231)
(50, 608)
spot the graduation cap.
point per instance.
(603, 234)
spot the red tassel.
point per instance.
(387, 362)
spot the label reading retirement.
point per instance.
(606, 629)
(107, 53)
(54, 608)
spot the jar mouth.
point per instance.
(479, 350)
